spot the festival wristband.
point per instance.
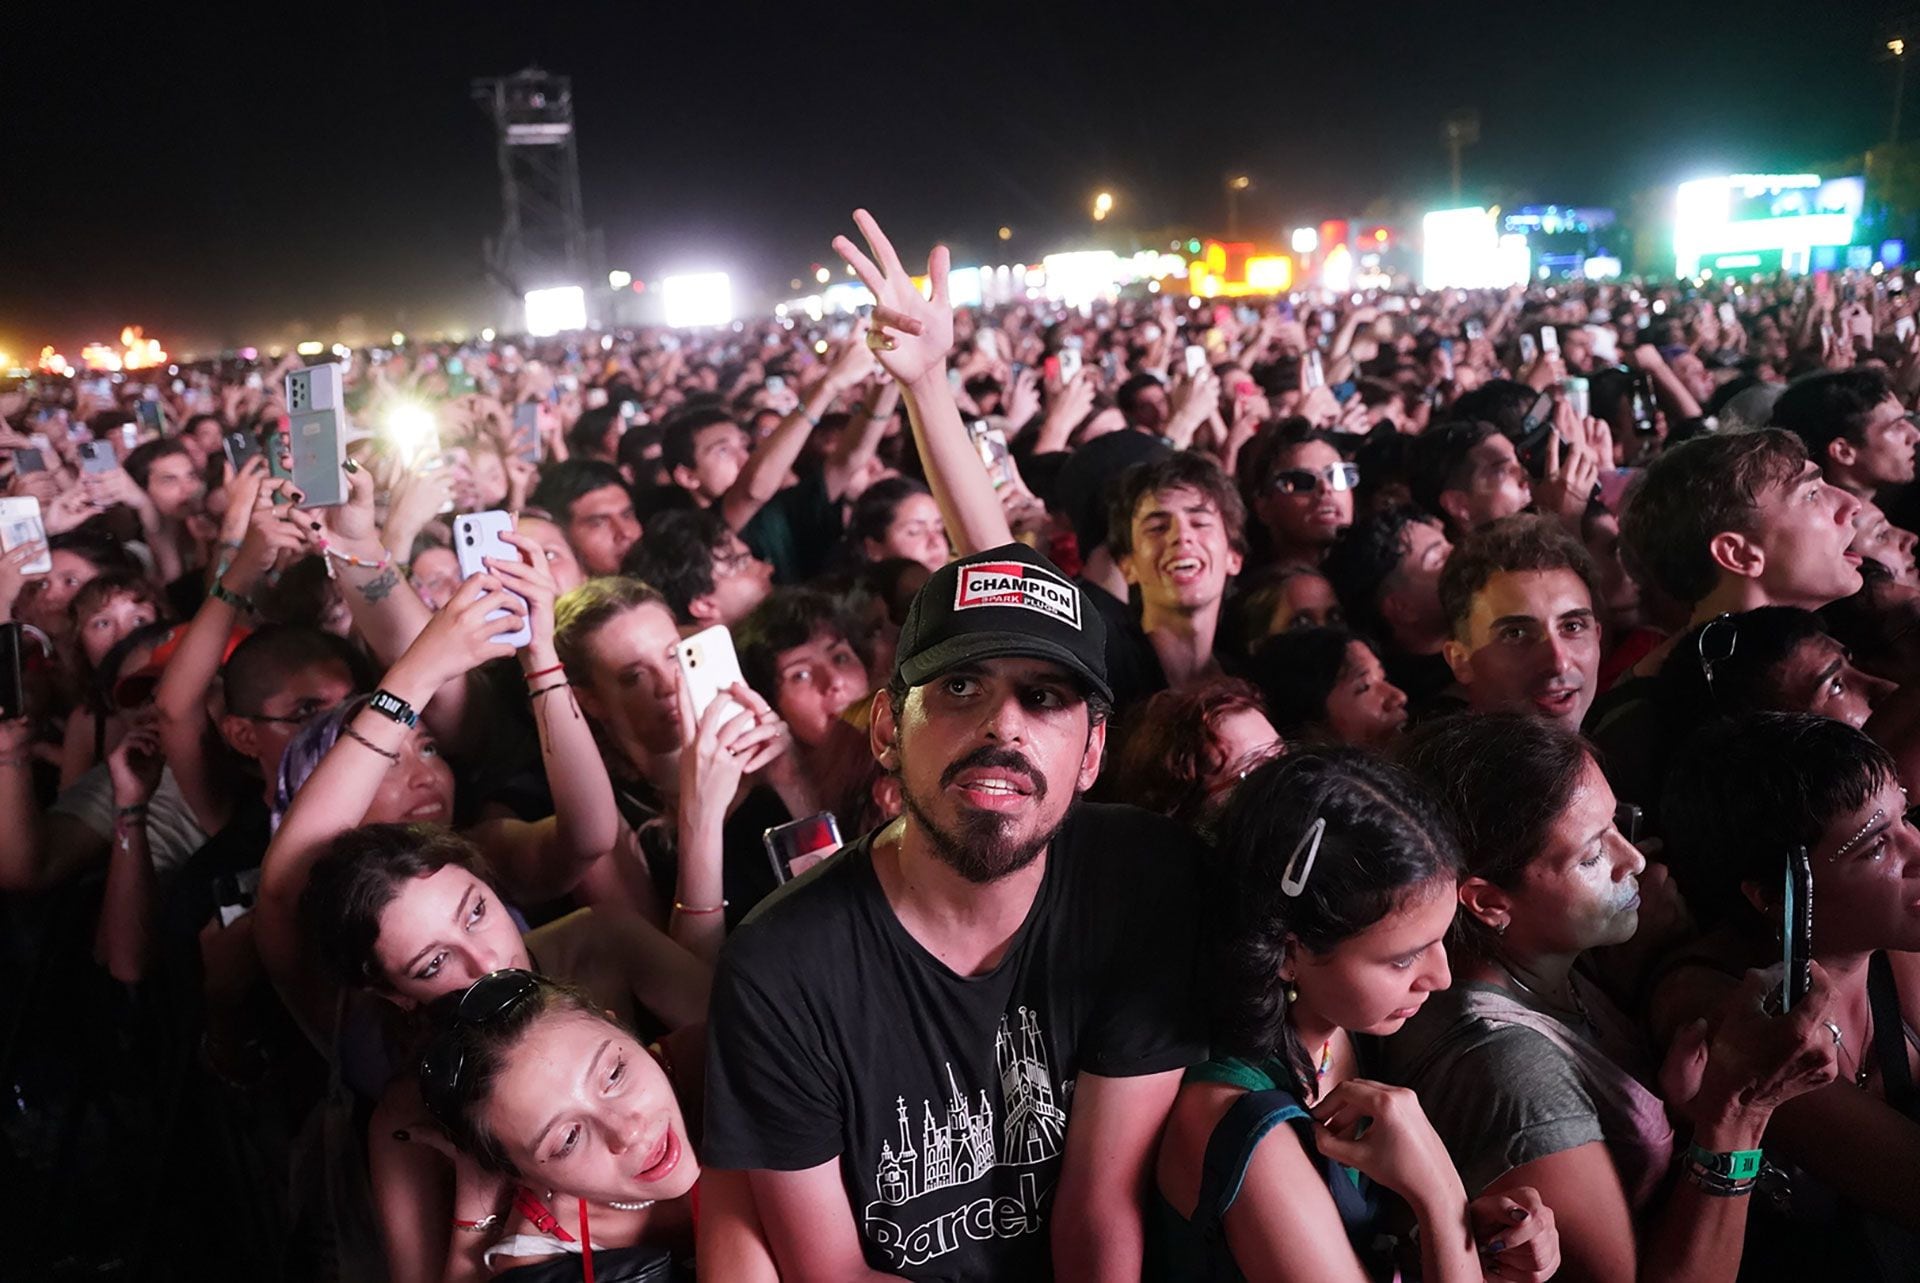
(1728, 1165)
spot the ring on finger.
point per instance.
(1834, 1029)
(880, 341)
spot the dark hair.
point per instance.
(1694, 491)
(1743, 682)
(565, 484)
(97, 550)
(273, 653)
(1363, 561)
(676, 556)
(588, 435)
(1521, 542)
(140, 460)
(1259, 457)
(631, 453)
(480, 1049)
(584, 611)
(301, 596)
(1383, 840)
(1502, 402)
(1127, 395)
(679, 433)
(1502, 779)
(1162, 761)
(358, 875)
(103, 588)
(1830, 406)
(1437, 460)
(874, 510)
(1744, 791)
(1250, 614)
(789, 617)
(1296, 671)
(1875, 622)
(1182, 470)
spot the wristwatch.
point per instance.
(389, 705)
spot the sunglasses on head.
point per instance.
(1338, 476)
(492, 997)
(1718, 638)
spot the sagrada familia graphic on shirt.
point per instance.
(963, 1144)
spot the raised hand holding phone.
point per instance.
(479, 547)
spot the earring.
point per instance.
(1291, 994)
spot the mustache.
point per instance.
(1000, 759)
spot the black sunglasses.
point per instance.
(1718, 639)
(492, 997)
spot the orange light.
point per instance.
(51, 362)
(142, 353)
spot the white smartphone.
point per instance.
(708, 666)
(20, 523)
(1903, 328)
(1550, 340)
(1069, 358)
(1196, 360)
(476, 536)
(1529, 350)
(1312, 373)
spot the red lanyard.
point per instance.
(544, 1221)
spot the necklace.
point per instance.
(1573, 991)
(1862, 1067)
(1326, 1060)
(618, 1206)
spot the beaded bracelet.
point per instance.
(329, 554)
(538, 691)
(362, 740)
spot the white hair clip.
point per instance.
(1293, 879)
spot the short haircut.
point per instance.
(1743, 792)
(1260, 458)
(1437, 460)
(679, 434)
(1502, 402)
(1182, 470)
(789, 617)
(117, 583)
(584, 611)
(1127, 395)
(1503, 779)
(1522, 542)
(1162, 762)
(1694, 491)
(565, 484)
(588, 435)
(1365, 558)
(97, 550)
(356, 878)
(139, 462)
(676, 556)
(1760, 640)
(272, 654)
(1296, 671)
(1830, 406)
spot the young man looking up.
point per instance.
(965, 906)
(1518, 595)
(1853, 426)
(1386, 571)
(701, 567)
(588, 500)
(1467, 474)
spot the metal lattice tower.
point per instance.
(543, 234)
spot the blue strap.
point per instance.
(1230, 1148)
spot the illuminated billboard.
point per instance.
(1762, 222)
(550, 311)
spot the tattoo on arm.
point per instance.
(377, 588)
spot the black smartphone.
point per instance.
(27, 459)
(240, 447)
(1796, 929)
(13, 694)
(798, 845)
(150, 416)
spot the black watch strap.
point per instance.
(389, 705)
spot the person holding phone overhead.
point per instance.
(1744, 796)
(1531, 1073)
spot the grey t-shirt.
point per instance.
(172, 835)
(1505, 1083)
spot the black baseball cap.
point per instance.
(1007, 601)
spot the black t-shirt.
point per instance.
(834, 1033)
(1133, 665)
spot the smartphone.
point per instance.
(317, 435)
(129, 437)
(1550, 340)
(150, 417)
(1529, 350)
(1069, 359)
(98, 456)
(1327, 324)
(1903, 328)
(1728, 317)
(20, 523)
(991, 443)
(1606, 344)
(798, 845)
(28, 460)
(776, 384)
(1579, 395)
(1312, 373)
(526, 432)
(13, 693)
(476, 535)
(1796, 921)
(234, 893)
(240, 447)
(1196, 360)
(708, 666)
(1475, 329)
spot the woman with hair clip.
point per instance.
(1531, 1073)
(1278, 1152)
(539, 1087)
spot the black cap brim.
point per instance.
(970, 647)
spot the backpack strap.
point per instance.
(1230, 1148)
(1889, 1034)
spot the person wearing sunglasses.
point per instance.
(1334, 881)
(1746, 792)
(1300, 491)
(1527, 1068)
(584, 1134)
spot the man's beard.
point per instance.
(982, 847)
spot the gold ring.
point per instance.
(880, 341)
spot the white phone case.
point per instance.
(476, 535)
(20, 523)
(708, 665)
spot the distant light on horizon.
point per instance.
(698, 299)
(561, 307)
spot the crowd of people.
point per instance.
(1332, 789)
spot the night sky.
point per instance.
(261, 177)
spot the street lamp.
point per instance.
(1236, 184)
(1102, 206)
(1898, 48)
